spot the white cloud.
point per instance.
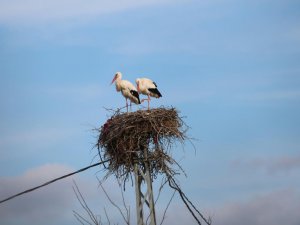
(37, 11)
(284, 163)
(279, 207)
(53, 204)
(47, 204)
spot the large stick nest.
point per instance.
(133, 138)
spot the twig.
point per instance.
(164, 215)
(123, 199)
(163, 183)
(186, 201)
(81, 218)
(84, 205)
(108, 220)
(114, 204)
(207, 221)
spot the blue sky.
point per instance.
(230, 67)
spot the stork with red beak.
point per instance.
(127, 89)
(147, 87)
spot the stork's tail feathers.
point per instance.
(155, 92)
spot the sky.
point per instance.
(231, 68)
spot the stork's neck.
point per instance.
(118, 83)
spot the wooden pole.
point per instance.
(146, 199)
(139, 206)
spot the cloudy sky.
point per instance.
(230, 67)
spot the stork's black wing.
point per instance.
(135, 94)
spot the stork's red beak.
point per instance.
(138, 88)
(115, 77)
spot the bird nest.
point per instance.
(135, 138)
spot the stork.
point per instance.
(147, 87)
(127, 89)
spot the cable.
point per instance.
(52, 181)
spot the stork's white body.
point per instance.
(147, 87)
(127, 89)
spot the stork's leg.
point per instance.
(130, 106)
(149, 102)
(146, 99)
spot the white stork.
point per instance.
(127, 89)
(147, 87)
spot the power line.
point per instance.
(52, 181)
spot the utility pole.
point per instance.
(144, 199)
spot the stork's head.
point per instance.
(137, 81)
(118, 75)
